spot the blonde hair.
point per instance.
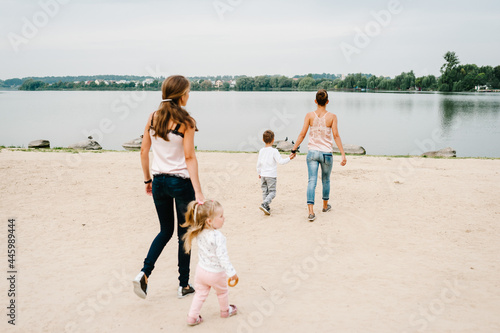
(174, 87)
(196, 220)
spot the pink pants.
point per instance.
(203, 281)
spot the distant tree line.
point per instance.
(31, 84)
(454, 78)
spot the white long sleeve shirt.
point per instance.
(267, 164)
(212, 252)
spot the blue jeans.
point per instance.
(316, 158)
(166, 190)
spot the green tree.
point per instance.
(206, 85)
(325, 84)
(458, 86)
(284, 82)
(429, 82)
(349, 81)
(448, 71)
(451, 62)
(13, 82)
(496, 78)
(362, 82)
(372, 82)
(195, 85)
(274, 81)
(307, 83)
(245, 84)
(32, 85)
(481, 79)
(262, 82)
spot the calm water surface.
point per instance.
(383, 123)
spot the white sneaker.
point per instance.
(141, 285)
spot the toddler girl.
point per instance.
(204, 221)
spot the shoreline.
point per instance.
(76, 151)
(352, 90)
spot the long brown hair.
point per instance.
(196, 220)
(174, 87)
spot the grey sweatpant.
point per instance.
(268, 185)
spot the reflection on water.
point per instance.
(383, 123)
(466, 107)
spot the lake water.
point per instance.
(383, 123)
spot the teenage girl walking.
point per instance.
(204, 221)
(322, 124)
(174, 182)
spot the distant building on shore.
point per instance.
(483, 88)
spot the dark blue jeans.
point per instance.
(166, 190)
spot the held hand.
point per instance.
(344, 161)
(292, 156)
(259, 176)
(149, 189)
(200, 197)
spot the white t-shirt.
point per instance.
(267, 164)
(212, 252)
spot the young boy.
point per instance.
(267, 168)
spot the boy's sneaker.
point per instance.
(265, 209)
(327, 209)
(311, 217)
(183, 292)
(141, 285)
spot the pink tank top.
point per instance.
(320, 136)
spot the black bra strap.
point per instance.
(175, 130)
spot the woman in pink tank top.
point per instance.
(322, 127)
(173, 178)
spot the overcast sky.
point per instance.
(250, 37)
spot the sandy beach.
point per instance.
(411, 245)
